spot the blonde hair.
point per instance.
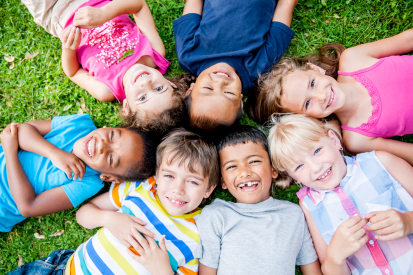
(293, 132)
(267, 99)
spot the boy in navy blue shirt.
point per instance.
(228, 44)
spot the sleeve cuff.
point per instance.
(282, 27)
(186, 17)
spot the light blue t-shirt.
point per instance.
(43, 175)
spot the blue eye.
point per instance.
(158, 89)
(312, 83)
(317, 151)
(307, 103)
(298, 167)
(194, 182)
(142, 98)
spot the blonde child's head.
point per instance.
(292, 135)
(272, 85)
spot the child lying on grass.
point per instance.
(59, 164)
(186, 172)
(112, 57)
(258, 234)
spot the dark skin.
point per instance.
(112, 150)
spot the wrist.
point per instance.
(335, 258)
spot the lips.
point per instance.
(89, 147)
(222, 73)
(331, 99)
(142, 74)
(176, 202)
(326, 175)
(248, 186)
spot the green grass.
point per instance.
(37, 88)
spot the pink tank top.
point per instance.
(108, 51)
(390, 86)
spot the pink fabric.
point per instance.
(390, 86)
(315, 195)
(102, 48)
(372, 244)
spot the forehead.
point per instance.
(295, 89)
(131, 145)
(216, 107)
(241, 151)
(181, 166)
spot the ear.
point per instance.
(189, 91)
(242, 103)
(173, 84)
(316, 68)
(274, 173)
(209, 191)
(125, 108)
(334, 138)
(109, 178)
(223, 185)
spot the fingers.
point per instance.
(138, 221)
(352, 221)
(359, 233)
(379, 216)
(13, 129)
(139, 238)
(144, 231)
(68, 172)
(81, 168)
(70, 37)
(382, 224)
(358, 223)
(162, 244)
(78, 37)
(363, 240)
(390, 237)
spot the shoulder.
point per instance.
(354, 141)
(354, 59)
(84, 118)
(190, 17)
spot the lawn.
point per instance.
(36, 88)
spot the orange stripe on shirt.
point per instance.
(152, 182)
(134, 251)
(187, 271)
(72, 267)
(115, 195)
(191, 220)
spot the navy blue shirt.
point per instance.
(238, 32)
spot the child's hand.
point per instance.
(68, 163)
(120, 224)
(71, 37)
(349, 238)
(391, 223)
(153, 257)
(89, 17)
(9, 139)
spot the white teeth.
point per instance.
(332, 97)
(177, 202)
(144, 74)
(325, 175)
(224, 74)
(89, 148)
(251, 183)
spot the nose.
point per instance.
(315, 167)
(146, 83)
(178, 187)
(220, 82)
(105, 146)
(244, 172)
(320, 95)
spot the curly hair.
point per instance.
(267, 98)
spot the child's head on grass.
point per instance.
(307, 150)
(245, 164)
(215, 99)
(153, 102)
(126, 154)
(187, 171)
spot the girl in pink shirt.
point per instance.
(112, 57)
(369, 87)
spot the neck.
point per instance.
(351, 105)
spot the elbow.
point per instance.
(26, 211)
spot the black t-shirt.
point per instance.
(238, 32)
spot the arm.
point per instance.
(284, 11)
(28, 203)
(145, 23)
(311, 269)
(347, 240)
(101, 212)
(362, 56)
(206, 270)
(95, 88)
(392, 224)
(358, 143)
(193, 6)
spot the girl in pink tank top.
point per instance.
(368, 87)
(112, 57)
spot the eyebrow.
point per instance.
(192, 174)
(305, 99)
(250, 156)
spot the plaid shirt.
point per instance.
(367, 187)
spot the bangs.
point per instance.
(195, 163)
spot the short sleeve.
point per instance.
(185, 28)
(278, 39)
(307, 254)
(190, 268)
(83, 120)
(79, 190)
(210, 229)
(119, 191)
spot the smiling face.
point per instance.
(313, 93)
(247, 172)
(217, 91)
(146, 89)
(180, 190)
(322, 167)
(109, 151)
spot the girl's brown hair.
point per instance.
(267, 99)
(170, 118)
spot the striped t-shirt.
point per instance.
(104, 254)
